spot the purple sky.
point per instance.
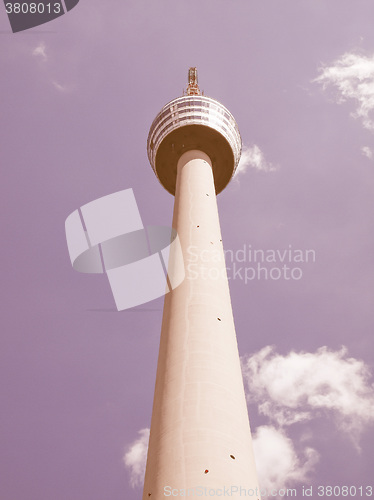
(78, 98)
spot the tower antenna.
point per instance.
(193, 87)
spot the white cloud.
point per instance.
(353, 77)
(297, 386)
(278, 464)
(136, 457)
(368, 152)
(291, 388)
(253, 157)
(59, 87)
(40, 51)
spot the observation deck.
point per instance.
(194, 122)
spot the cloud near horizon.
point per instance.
(300, 386)
(352, 75)
(287, 389)
(135, 458)
(40, 51)
(368, 152)
(60, 87)
(253, 157)
(277, 461)
(278, 464)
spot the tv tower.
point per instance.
(200, 435)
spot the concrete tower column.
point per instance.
(200, 435)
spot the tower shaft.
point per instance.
(200, 435)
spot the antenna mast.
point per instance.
(192, 88)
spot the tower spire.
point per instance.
(193, 87)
